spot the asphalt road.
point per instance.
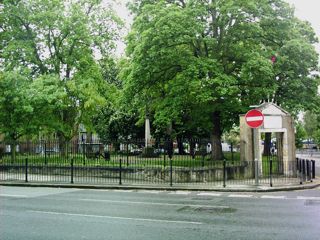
(53, 213)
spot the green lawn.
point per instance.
(133, 161)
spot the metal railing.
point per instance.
(131, 163)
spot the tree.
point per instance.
(214, 57)
(233, 138)
(311, 124)
(300, 135)
(16, 108)
(62, 40)
(25, 105)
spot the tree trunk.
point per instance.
(89, 149)
(192, 148)
(215, 137)
(13, 152)
(267, 144)
(62, 144)
(231, 148)
(180, 146)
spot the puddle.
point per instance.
(312, 203)
(205, 209)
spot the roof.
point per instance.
(269, 108)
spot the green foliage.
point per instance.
(300, 135)
(113, 124)
(233, 136)
(200, 64)
(16, 106)
(60, 43)
(311, 124)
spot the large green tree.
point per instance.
(214, 58)
(67, 41)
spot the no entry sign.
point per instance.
(254, 118)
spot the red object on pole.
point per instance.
(254, 118)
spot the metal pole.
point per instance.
(270, 172)
(303, 170)
(71, 170)
(45, 153)
(26, 170)
(255, 156)
(170, 171)
(313, 163)
(300, 171)
(120, 172)
(224, 172)
(127, 154)
(84, 152)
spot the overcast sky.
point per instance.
(308, 10)
(305, 10)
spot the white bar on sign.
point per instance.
(251, 119)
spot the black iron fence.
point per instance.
(131, 163)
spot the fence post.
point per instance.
(120, 172)
(300, 171)
(270, 172)
(127, 154)
(313, 163)
(170, 170)
(256, 171)
(84, 152)
(26, 170)
(308, 169)
(224, 172)
(45, 153)
(303, 170)
(71, 170)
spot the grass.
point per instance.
(80, 160)
(126, 161)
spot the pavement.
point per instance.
(59, 213)
(190, 187)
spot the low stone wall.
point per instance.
(160, 174)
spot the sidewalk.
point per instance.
(175, 187)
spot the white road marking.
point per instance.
(149, 191)
(180, 192)
(112, 217)
(99, 190)
(124, 191)
(308, 198)
(273, 197)
(209, 194)
(14, 196)
(151, 203)
(240, 196)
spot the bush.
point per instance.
(149, 152)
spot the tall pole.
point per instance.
(256, 154)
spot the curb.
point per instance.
(167, 188)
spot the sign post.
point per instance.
(254, 119)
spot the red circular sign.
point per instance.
(254, 118)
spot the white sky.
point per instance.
(305, 10)
(308, 10)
